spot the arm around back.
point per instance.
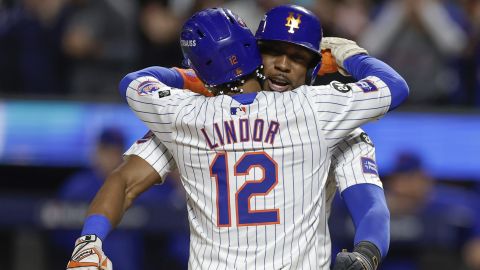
(362, 66)
(121, 187)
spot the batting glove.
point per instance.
(341, 49)
(88, 255)
(365, 256)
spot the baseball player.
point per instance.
(252, 146)
(353, 160)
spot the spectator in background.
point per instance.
(424, 41)
(107, 155)
(252, 11)
(159, 34)
(345, 18)
(100, 39)
(197, 5)
(471, 57)
(31, 59)
(125, 246)
(430, 222)
(433, 225)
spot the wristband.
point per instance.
(98, 225)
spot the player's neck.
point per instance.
(250, 86)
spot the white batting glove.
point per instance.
(341, 49)
(88, 255)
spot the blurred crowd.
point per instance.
(80, 49)
(434, 224)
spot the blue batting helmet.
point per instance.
(219, 46)
(296, 25)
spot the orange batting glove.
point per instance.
(329, 65)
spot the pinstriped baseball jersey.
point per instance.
(346, 169)
(151, 149)
(353, 161)
(255, 174)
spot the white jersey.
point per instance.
(255, 174)
(353, 162)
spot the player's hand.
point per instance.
(341, 49)
(329, 65)
(88, 255)
(365, 256)
(352, 261)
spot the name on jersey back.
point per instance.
(240, 130)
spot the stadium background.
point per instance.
(60, 62)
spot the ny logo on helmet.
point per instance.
(292, 22)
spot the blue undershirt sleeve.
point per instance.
(361, 66)
(168, 76)
(371, 217)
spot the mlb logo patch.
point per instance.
(148, 87)
(367, 86)
(369, 166)
(238, 110)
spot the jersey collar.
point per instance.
(245, 99)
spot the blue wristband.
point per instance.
(98, 225)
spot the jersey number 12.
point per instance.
(245, 216)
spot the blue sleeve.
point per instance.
(169, 76)
(361, 66)
(97, 224)
(371, 217)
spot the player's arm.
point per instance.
(122, 186)
(116, 195)
(150, 97)
(356, 61)
(173, 77)
(343, 107)
(360, 186)
(154, 152)
(368, 208)
(192, 82)
(147, 162)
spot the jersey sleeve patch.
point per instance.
(148, 87)
(364, 137)
(164, 93)
(367, 86)
(369, 165)
(340, 87)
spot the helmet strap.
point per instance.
(313, 70)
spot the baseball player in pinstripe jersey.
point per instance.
(237, 135)
(353, 158)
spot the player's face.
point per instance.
(285, 65)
